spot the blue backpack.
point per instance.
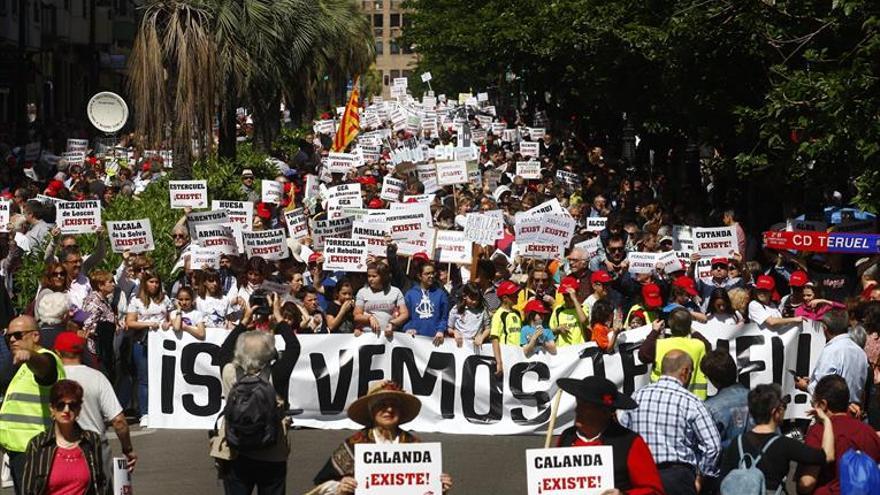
(747, 479)
(858, 474)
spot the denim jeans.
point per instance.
(139, 355)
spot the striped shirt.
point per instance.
(676, 425)
(41, 454)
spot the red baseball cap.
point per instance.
(765, 282)
(720, 261)
(507, 288)
(536, 306)
(314, 257)
(70, 342)
(651, 296)
(375, 204)
(799, 278)
(367, 180)
(421, 255)
(687, 284)
(600, 277)
(568, 283)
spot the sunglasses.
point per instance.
(615, 249)
(59, 274)
(13, 336)
(74, 405)
(178, 236)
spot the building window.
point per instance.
(395, 74)
(380, 47)
(395, 20)
(406, 22)
(394, 48)
(386, 79)
(378, 20)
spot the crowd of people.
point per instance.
(82, 342)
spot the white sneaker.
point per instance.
(5, 472)
(145, 421)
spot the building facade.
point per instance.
(393, 59)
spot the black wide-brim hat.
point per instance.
(597, 390)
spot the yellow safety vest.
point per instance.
(25, 410)
(695, 349)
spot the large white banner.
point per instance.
(458, 388)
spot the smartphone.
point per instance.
(793, 373)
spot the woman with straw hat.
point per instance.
(381, 412)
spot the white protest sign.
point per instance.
(570, 470)
(465, 153)
(668, 261)
(527, 228)
(78, 217)
(391, 188)
(5, 208)
(313, 185)
(454, 172)
(529, 170)
(74, 157)
(343, 196)
(528, 148)
(324, 127)
(558, 228)
(682, 237)
(590, 246)
(210, 217)
(347, 255)
(121, 477)
(76, 145)
(552, 206)
(217, 237)
(200, 257)
(570, 179)
(536, 133)
(373, 234)
(426, 76)
(188, 193)
(422, 244)
(341, 163)
(540, 250)
(641, 262)
(398, 469)
(453, 247)
(239, 211)
(135, 236)
(482, 229)
(297, 223)
(267, 244)
(273, 192)
(400, 82)
(596, 224)
(715, 241)
(323, 229)
(410, 223)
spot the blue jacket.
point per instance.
(427, 319)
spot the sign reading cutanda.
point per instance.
(457, 386)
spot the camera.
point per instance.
(260, 299)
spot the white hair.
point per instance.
(254, 350)
(53, 308)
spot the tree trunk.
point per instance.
(267, 122)
(227, 145)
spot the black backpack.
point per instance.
(252, 414)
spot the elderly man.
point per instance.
(247, 185)
(77, 269)
(24, 413)
(597, 402)
(251, 353)
(840, 356)
(677, 427)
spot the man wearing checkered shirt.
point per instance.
(677, 427)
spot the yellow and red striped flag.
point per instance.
(351, 121)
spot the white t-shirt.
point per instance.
(99, 400)
(758, 313)
(215, 310)
(154, 312)
(382, 304)
(191, 317)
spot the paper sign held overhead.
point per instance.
(596, 224)
(426, 76)
(527, 148)
(349, 255)
(267, 244)
(238, 211)
(529, 170)
(297, 223)
(135, 236)
(454, 172)
(716, 241)
(5, 208)
(78, 217)
(188, 193)
(272, 192)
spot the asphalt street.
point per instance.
(175, 462)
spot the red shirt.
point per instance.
(69, 474)
(849, 433)
(643, 474)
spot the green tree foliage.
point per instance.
(785, 89)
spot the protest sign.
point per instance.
(188, 193)
(570, 470)
(272, 191)
(557, 228)
(590, 247)
(418, 198)
(135, 236)
(398, 469)
(74, 157)
(466, 153)
(570, 179)
(297, 223)
(373, 234)
(323, 229)
(536, 133)
(78, 217)
(426, 76)
(201, 257)
(348, 255)
(411, 223)
(454, 172)
(211, 217)
(540, 250)
(529, 148)
(527, 228)
(451, 246)
(238, 211)
(423, 244)
(824, 242)
(121, 476)
(497, 128)
(596, 224)
(327, 127)
(641, 262)
(668, 261)
(312, 187)
(77, 145)
(715, 241)
(391, 188)
(334, 370)
(529, 170)
(5, 208)
(267, 244)
(551, 206)
(482, 229)
(49, 200)
(341, 163)
(218, 237)
(682, 238)
(343, 196)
